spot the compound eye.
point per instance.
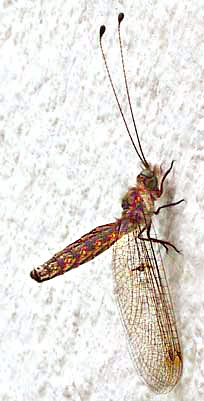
(151, 183)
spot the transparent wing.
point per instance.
(147, 313)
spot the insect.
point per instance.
(140, 282)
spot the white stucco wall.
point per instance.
(66, 161)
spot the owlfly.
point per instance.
(140, 282)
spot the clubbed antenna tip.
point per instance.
(102, 30)
(120, 17)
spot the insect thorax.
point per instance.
(138, 207)
(138, 202)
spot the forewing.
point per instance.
(146, 309)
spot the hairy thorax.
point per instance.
(138, 208)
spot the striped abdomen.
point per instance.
(81, 251)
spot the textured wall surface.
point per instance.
(66, 161)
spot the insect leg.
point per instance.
(164, 177)
(159, 241)
(168, 205)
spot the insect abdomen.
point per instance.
(81, 251)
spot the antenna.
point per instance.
(102, 31)
(120, 18)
